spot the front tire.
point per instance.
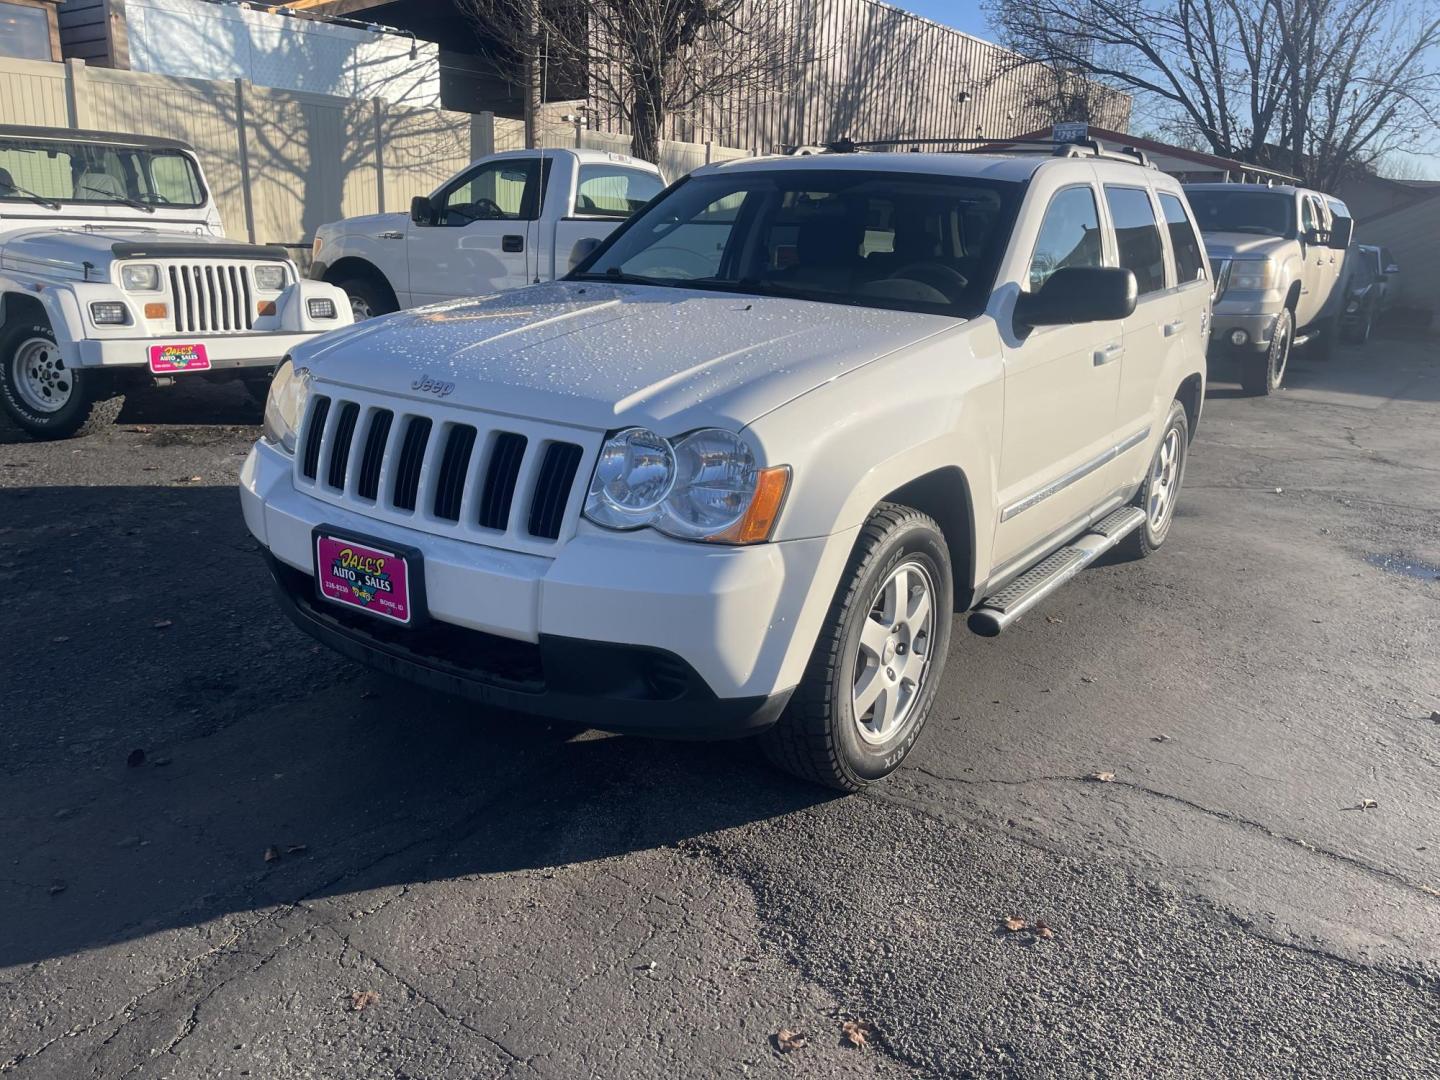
(873, 675)
(1263, 374)
(45, 397)
(1161, 489)
(367, 300)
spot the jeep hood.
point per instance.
(63, 249)
(605, 356)
(1229, 245)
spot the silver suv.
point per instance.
(1277, 254)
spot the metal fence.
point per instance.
(283, 162)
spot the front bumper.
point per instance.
(1257, 327)
(632, 632)
(224, 350)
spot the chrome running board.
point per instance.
(997, 612)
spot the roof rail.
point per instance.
(1084, 147)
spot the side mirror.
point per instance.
(583, 249)
(1392, 269)
(1341, 233)
(1079, 294)
(422, 210)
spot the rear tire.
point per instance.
(1263, 374)
(877, 664)
(42, 395)
(367, 300)
(1161, 489)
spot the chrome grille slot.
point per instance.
(504, 482)
(368, 486)
(340, 444)
(454, 464)
(314, 436)
(412, 458)
(211, 298)
(504, 471)
(552, 489)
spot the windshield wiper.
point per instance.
(49, 204)
(110, 195)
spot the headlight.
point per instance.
(109, 313)
(142, 277)
(1254, 274)
(270, 278)
(320, 307)
(704, 486)
(285, 407)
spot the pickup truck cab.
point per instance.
(738, 471)
(115, 272)
(1278, 257)
(505, 221)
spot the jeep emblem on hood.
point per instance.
(432, 386)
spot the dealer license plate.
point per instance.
(173, 359)
(373, 579)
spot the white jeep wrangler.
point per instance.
(115, 271)
(738, 471)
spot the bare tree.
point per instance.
(645, 60)
(1315, 87)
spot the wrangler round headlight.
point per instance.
(634, 473)
(270, 278)
(704, 486)
(141, 277)
(285, 405)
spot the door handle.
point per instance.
(512, 242)
(1109, 353)
(1173, 328)
(392, 235)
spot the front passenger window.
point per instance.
(1069, 236)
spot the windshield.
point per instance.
(877, 239)
(57, 171)
(1263, 212)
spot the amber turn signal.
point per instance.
(156, 311)
(759, 520)
(265, 307)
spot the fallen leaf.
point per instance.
(1430, 889)
(786, 1040)
(1087, 678)
(1279, 491)
(57, 887)
(1368, 804)
(361, 998)
(1042, 931)
(1014, 924)
(60, 639)
(856, 1033)
(160, 761)
(1053, 619)
(189, 479)
(1159, 738)
(136, 758)
(272, 854)
(297, 849)
(1103, 777)
(163, 624)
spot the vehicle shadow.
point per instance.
(178, 752)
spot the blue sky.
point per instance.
(966, 15)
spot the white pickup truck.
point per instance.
(115, 272)
(493, 226)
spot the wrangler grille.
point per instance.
(450, 476)
(211, 298)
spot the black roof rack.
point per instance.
(1084, 147)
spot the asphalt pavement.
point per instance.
(1207, 784)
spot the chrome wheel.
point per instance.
(40, 376)
(893, 657)
(360, 308)
(1280, 352)
(1164, 479)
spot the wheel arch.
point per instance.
(944, 494)
(356, 266)
(15, 304)
(1191, 394)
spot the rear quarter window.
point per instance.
(1189, 255)
(1137, 236)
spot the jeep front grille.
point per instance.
(444, 471)
(211, 298)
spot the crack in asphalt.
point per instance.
(1222, 815)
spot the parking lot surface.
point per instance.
(1214, 776)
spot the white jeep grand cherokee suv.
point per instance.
(737, 472)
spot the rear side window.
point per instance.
(1069, 236)
(612, 191)
(1189, 255)
(1137, 236)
